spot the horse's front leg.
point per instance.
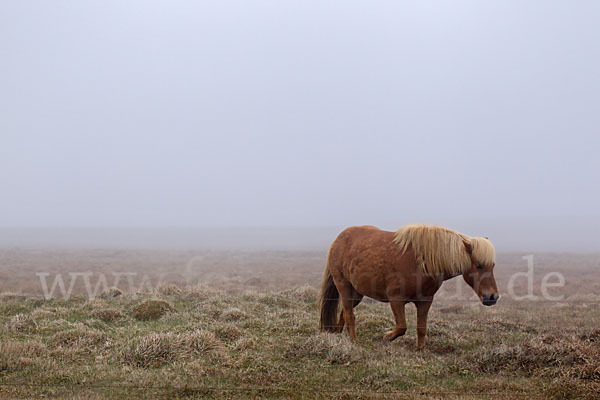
(422, 310)
(398, 310)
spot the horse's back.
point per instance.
(369, 258)
(363, 237)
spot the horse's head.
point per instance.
(480, 276)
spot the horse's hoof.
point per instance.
(388, 337)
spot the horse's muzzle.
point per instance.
(489, 299)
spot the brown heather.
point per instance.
(215, 336)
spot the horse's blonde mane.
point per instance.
(443, 251)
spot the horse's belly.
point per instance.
(369, 282)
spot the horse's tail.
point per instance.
(329, 302)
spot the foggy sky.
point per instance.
(297, 113)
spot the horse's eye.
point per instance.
(479, 267)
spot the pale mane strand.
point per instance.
(442, 251)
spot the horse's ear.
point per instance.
(468, 246)
(487, 238)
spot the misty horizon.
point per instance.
(508, 235)
(144, 114)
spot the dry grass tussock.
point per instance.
(593, 336)
(15, 355)
(169, 290)
(233, 314)
(544, 355)
(156, 349)
(79, 336)
(108, 314)
(335, 349)
(306, 294)
(22, 323)
(246, 343)
(151, 309)
(227, 332)
(111, 293)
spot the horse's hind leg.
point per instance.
(399, 316)
(356, 299)
(340, 325)
(350, 299)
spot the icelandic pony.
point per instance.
(406, 266)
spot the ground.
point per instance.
(245, 324)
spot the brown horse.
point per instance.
(406, 266)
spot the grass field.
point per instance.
(245, 324)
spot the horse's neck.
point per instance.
(450, 276)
